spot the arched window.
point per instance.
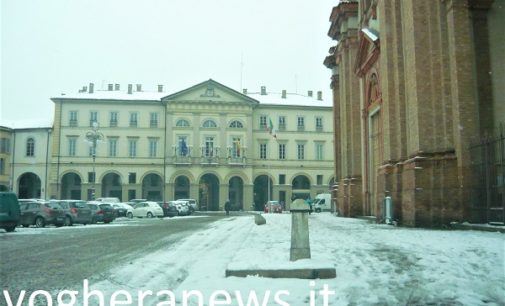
(236, 124)
(182, 123)
(30, 147)
(209, 124)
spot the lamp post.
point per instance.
(93, 137)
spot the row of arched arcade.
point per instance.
(210, 191)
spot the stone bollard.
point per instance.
(259, 219)
(300, 245)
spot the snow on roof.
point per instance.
(292, 99)
(115, 95)
(27, 124)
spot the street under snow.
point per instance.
(375, 264)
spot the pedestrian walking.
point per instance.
(227, 207)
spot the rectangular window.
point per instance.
(282, 179)
(72, 141)
(153, 120)
(236, 149)
(72, 118)
(91, 177)
(282, 123)
(113, 147)
(319, 179)
(153, 147)
(319, 123)
(208, 150)
(133, 119)
(182, 149)
(4, 145)
(132, 147)
(263, 151)
(301, 151)
(132, 194)
(300, 123)
(132, 178)
(282, 151)
(93, 117)
(30, 147)
(113, 119)
(2, 166)
(263, 122)
(319, 151)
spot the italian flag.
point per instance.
(271, 130)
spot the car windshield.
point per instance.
(105, 206)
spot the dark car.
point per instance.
(76, 211)
(40, 213)
(119, 209)
(9, 211)
(169, 210)
(273, 207)
(101, 212)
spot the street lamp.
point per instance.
(93, 137)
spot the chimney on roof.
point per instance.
(110, 87)
(244, 91)
(139, 87)
(309, 93)
(116, 86)
(91, 85)
(160, 88)
(283, 94)
(130, 89)
(84, 89)
(263, 90)
(320, 95)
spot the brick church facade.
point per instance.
(417, 85)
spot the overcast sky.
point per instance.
(56, 46)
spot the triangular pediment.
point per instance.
(209, 91)
(368, 51)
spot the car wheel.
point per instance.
(149, 215)
(107, 222)
(68, 221)
(318, 210)
(130, 215)
(39, 222)
(10, 228)
(26, 225)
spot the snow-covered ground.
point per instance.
(375, 265)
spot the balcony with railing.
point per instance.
(236, 156)
(209, 156)
(182, 156)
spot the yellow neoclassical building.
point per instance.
(207, 142)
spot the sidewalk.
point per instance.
(375, 264)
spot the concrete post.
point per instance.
(300, 245)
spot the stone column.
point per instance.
(300, 244)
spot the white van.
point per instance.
(322, 202)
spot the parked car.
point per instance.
(132, 202)
(182, 207)
(322, 202)
(193, 204)
(119, 209)
(9, 211)
(76, 211)
(169, 209)
(101, 212)
(273, 206)
(146, 209)
(40, 214)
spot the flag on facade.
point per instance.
(183, 148)
(237, 148)
(271, 129)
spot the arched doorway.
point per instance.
(181, 188)
(262, 186)
(29, 186)
(301, 187)
(152, 187)
(111, 186)
(71, 186)
(209, 192)
(236, 193)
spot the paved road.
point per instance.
(55, 258)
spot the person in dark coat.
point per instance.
(227, 207)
